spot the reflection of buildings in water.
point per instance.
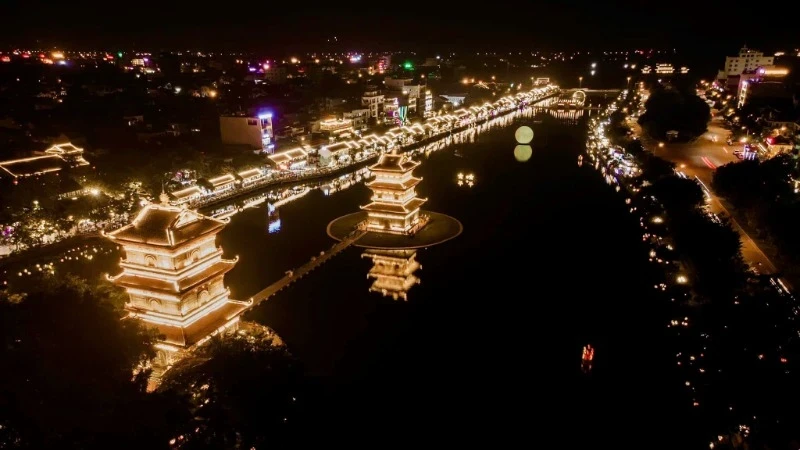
(567, 115)
(273, 219)
(281, 196)
(393, 271)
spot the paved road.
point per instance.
(699, 159)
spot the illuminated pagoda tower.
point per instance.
(393, 271)
(173, 272)
(395, 205)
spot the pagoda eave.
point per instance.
(130, 280)
(198, 331)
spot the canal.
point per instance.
(487, 346)
(490, 340)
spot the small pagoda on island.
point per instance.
(393, 271)
(395, 206)
(173, 272)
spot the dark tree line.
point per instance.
(669, 109)
(764, 193)
(74, 376)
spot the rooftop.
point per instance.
(166, 226)
(393, 162)
(288, 156)
(33, 166)
(187, 192)
(222, 180)
(249, 173)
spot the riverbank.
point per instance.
(320, 174)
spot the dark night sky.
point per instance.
(276, 25)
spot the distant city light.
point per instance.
(408, 65)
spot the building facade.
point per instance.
(747, 60)
(173, 272)
(254, 132)
(373, 100)
(395, 206)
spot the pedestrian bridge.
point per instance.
(315, 261)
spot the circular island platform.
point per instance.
(440, 228)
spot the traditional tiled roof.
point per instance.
(222, 180)
(205, 326)
(288, 156)
(33, 166)
(252, 173)
(64, 149)
(393, 162)
(166, 226)
(186, 193)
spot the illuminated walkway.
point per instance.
(301, 271)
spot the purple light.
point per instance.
(251, 69)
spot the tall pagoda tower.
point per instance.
(395, 205)
(393, 271)
(173, 272)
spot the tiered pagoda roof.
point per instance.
(166, 226)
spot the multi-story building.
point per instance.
(373, 100)
(747, 60)
(253, 132)
(360, 117)
(173, 272)
(395, 205)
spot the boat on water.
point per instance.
(586, 358)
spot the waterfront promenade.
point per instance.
(501, 107)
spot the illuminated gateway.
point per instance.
(173, 272)
(395, 205)
(393, 271)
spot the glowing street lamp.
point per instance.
(580, 81)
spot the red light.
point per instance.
(769, 141)
(5, 59)
(41, 55)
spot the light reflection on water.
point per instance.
(280, 196)
(393, 272)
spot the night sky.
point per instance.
(292, 25)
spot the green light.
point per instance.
(408, 66)
(119, 54)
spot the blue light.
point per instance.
(265, 116)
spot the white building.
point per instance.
(373, 100)
(359, 117)
(254, 132)
(748, 60)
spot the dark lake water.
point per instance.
(487, 348)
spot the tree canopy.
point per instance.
(71, 375)
(243, 389)
(669, 109)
